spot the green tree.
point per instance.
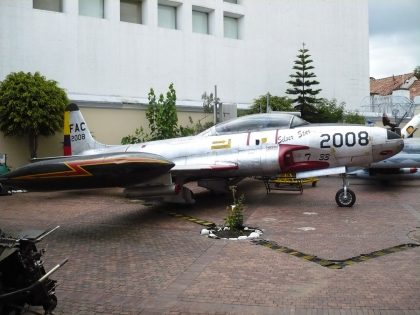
(139, 136)
(163, 120)
(277, 103)
(31, 105)
(328, 111)
(302, 81)
(354, 118)
(417, 72)
(208, 102)
(162, 116)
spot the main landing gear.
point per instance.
(345, 197)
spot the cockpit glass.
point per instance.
(297, 122)
(242, 125)
(256, 122)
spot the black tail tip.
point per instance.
(72, 107)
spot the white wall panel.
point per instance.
(105, 57)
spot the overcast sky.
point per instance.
(394, 27)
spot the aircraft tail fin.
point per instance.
(77, 137)
(408, 130)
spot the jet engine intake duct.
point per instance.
(287, 162)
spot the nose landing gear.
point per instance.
(345, 197)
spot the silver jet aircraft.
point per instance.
(254, 145)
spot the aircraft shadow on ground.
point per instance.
(385, 185)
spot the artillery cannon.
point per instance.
(23, 280)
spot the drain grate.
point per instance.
(202, 222)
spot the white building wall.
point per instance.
(106, 58)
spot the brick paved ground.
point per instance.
(130, 258)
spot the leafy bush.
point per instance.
(354, 118)
(235, 218)
(139, 136)
(163, 120)
(162, 116)
(277, 103)
(328, 111)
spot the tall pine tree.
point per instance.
(302, 81)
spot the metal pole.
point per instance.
(268, 103)
(215, 105)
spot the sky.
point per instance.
(394, 37)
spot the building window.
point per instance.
(130, 11)
(93, 8)
(50, 5)
(200, 22)
(167, 16)
(230, 26)
(231, 1)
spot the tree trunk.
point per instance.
(33, 144)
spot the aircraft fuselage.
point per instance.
(270, 152)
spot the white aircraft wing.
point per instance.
(322, 172)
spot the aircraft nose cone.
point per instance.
(391, 146)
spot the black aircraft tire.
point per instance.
(343, 201)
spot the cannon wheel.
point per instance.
(51, 304)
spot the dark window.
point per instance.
(49, 5)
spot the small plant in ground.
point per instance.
(235, 218)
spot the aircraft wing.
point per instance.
(89, 171)
(322, 172)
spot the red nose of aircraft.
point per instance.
(92, 171)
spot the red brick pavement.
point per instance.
(129, 258)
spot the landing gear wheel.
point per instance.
(345, 198)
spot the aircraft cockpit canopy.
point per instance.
(256, 122)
